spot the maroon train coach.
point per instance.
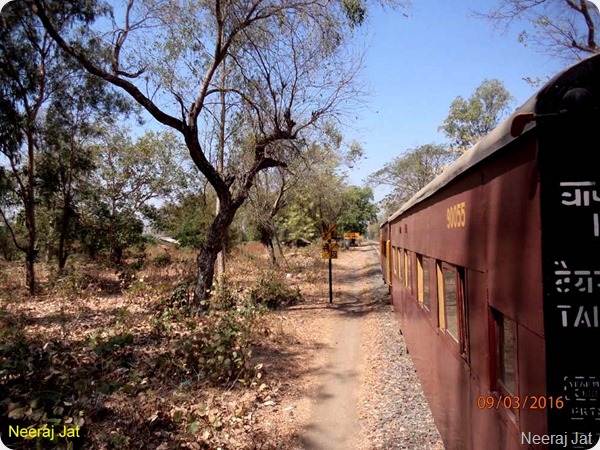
(494, 272)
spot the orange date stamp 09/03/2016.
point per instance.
(519, 402)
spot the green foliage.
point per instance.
(7, 247)
(226, 295)
(66, 160)
(128, 176)
(318, 194)
(182, 294)
(188, 219)
(301, 219)
(410, 172)
(355, 11)
(220, 348)
(70, 283)
(560, 28)
(359, 212)
(126, 276)
(13, 348)
(162, 260)
(103, 346)
(470, 120)
(30, 399)
(272, 292)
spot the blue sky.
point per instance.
(416, 66)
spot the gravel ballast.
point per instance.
(392, 408)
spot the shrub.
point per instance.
(126, 276)
(220, 348)
(38, 389)
(225, 295)
(181, 297)
(162, 260)
(272, 291)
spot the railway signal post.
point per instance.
(330, 249)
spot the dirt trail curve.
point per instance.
(360, 403)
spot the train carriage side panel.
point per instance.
(502, 218)
(515, 277)
(383, 237)
(513, 223)
(454, 381)
(431, 231)
(449, 225)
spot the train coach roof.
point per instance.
(547, 100)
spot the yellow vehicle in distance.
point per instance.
(351, 240)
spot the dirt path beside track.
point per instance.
(351, 384)
(334, 418)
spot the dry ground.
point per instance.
(321, 376)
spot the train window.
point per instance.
(405, 268)
(440, 289)
(388, 262)
(506, 351)
(420, 278)
(426, 300)
(451, 292)
(409, 283)
(399, 256)
(423, 280)
(450, 303)
(395, 260)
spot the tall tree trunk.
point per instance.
(67, 214)
(271, 250)
(62, 238)
(266, 237)
(30, 272)
(29, 204)
(62, 253)
(220, 267)
(280, 248)
(220, 261)
(207, 257)
(116, 254)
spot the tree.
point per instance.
(128, 176)
(267, 198)
(360, 210)
(72, 124)
(318, 194)
(408, 173)
(470, 120)
(302, 180)
(318, 199)
(289, 67)
(565, 28)
(29, 71)
(187, 219)
(33, 73)
(9, 201)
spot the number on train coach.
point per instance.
(456, 216)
